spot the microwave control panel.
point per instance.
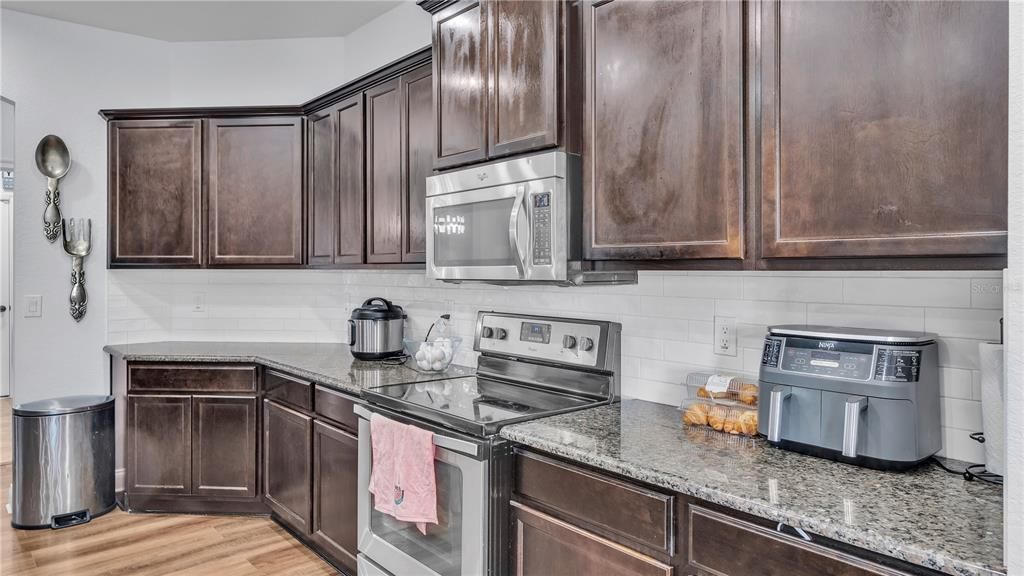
(541, 232)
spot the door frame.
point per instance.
(7, 287)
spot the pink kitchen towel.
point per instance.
(402, 477)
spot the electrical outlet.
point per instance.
(199, 303)
(33, 306)
(725, 336)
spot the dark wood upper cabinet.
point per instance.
(335, 493)
(883, 128)
(351, 238)
(158, 451)
(155, 192)
(321, 188)
(224, 446)
(287, 465)
(460, 84)
(524, 79)
(384, 173)
(254, 191)
(417, 159)
(662, 138)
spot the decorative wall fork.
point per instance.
(78, 247)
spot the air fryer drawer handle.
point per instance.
(778, 397)
(851, 424)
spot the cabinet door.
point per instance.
(663, 140)
(417, 160)
(158, 451)
(460, 84)
(384, 173)
(883, 128)
(525, 83)
(335, 492)
(224, 446)
(155, 198)
(322, 188)
(287, 466)
(545, 545)
(351, 187)
(254, 213)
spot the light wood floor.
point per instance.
(149, 544)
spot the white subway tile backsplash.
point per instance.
(667, 317)
(941, 291)
(963, 322)
(793, 289)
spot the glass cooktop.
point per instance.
(472, 404)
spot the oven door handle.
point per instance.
(446, 442)
(513, 229)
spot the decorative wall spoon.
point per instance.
(54, 161)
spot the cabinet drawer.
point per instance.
(286, 389)
(722, 545)
(545, 545)
(337, 407)
(191, 378)
(626, 513)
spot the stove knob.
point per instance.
(568, 341)
(500, 333)
(487, 332)
(586, 344)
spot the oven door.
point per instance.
(513, 232)
(453, 547)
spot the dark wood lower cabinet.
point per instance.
(569, 519)
(224, 445)
(287, 466)
(546, 545)
(158, 451)
(335, 493)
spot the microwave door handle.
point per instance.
(513, 230)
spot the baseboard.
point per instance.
(119, 480)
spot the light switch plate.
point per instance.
(33, 306)
(199, 303)
(725, 336)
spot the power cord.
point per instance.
(972, 472)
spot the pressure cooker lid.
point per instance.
(378, 309)
(63, 405)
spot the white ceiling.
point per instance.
(198, 21)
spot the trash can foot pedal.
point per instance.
(70, 519)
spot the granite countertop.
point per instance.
(331, 365)
(926, 517)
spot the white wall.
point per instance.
(267, 72)
(667, 317)
(388, 37)
(59, 75)
(1014, 486)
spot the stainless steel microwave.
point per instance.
(510, 222)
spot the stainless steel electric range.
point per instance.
(529, 367)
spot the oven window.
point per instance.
(441, 548)
(473, 234)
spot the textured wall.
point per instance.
(667, 317)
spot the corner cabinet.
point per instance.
(883, 128)
(155, 202)
(254, 189)
(504, 78)
(191, 441)
(663, 142)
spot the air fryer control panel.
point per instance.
(839, 359)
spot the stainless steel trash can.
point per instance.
(63, 461)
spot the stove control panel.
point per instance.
(576, 342)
